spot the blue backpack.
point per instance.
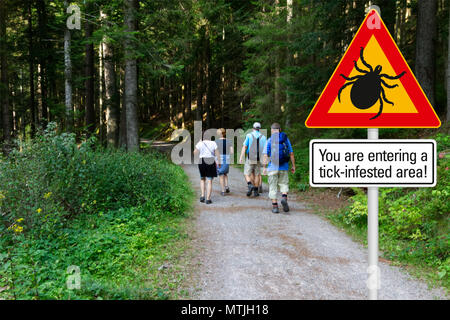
(283, 149)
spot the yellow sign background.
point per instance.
(374, 55)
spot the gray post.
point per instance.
(373, 282)
(372, 232)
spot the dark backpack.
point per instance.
(253, 152)
(283, 148)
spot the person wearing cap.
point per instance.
(252, 149)
(279, 151)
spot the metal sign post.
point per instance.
(373, 47)
(373, 281)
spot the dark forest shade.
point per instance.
(89, 74)
(167, 63)
(426, 38)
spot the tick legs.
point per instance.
(383, 75)
(351, 78)
(388, 85)
(361, 54)
(383, 94)
(358, 69)
(343, 87)
(383, 97)
(381, 110)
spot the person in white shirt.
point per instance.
(208, 152)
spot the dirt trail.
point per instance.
(246, 252)
(243, 251)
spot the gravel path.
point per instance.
(246, 252)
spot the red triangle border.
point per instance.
(426, 116)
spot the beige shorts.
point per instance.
(250, 167)
(278, 179)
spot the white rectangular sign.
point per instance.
(372, 163)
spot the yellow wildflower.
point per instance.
(16, 228)
(19, 220)
(2, 196)
(39, 210)
(47, 195)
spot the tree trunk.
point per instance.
(123, 115)
(425, 44)
(31, 71)
(277, 98)
(199, 109)
(43, 57)
(208, 82)
(187, 93)
(89, 74)
(131, 7)
(68, 77)
(111, 97)
(4, 85)
(101, 94)
(288, 61)
(448, 72)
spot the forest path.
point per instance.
(244, 251)
(247, 252)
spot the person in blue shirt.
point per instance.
(252, 149)
(225, 147)
(277, 153)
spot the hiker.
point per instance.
(252, 149)
(279, 150)
(225, 148)
(207, 151)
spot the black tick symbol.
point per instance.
(367, 88)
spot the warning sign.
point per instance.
(373, 86)
(372, 163)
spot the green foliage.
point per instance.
(413, 223)
(109, 212)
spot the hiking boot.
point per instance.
(255, 191)
(285, 205)
(260, 189)
(227, 190)
(250, 189)
(202, 199)
(208, 201)
(275, 209)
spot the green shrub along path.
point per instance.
(117, 216)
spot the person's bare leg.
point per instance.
(202, 187)
(208, 189)
(226, 181)
(257, 184)
(222, 182)
(257, 180)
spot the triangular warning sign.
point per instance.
(373, 86)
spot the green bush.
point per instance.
(107, 211)
(413, 223)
